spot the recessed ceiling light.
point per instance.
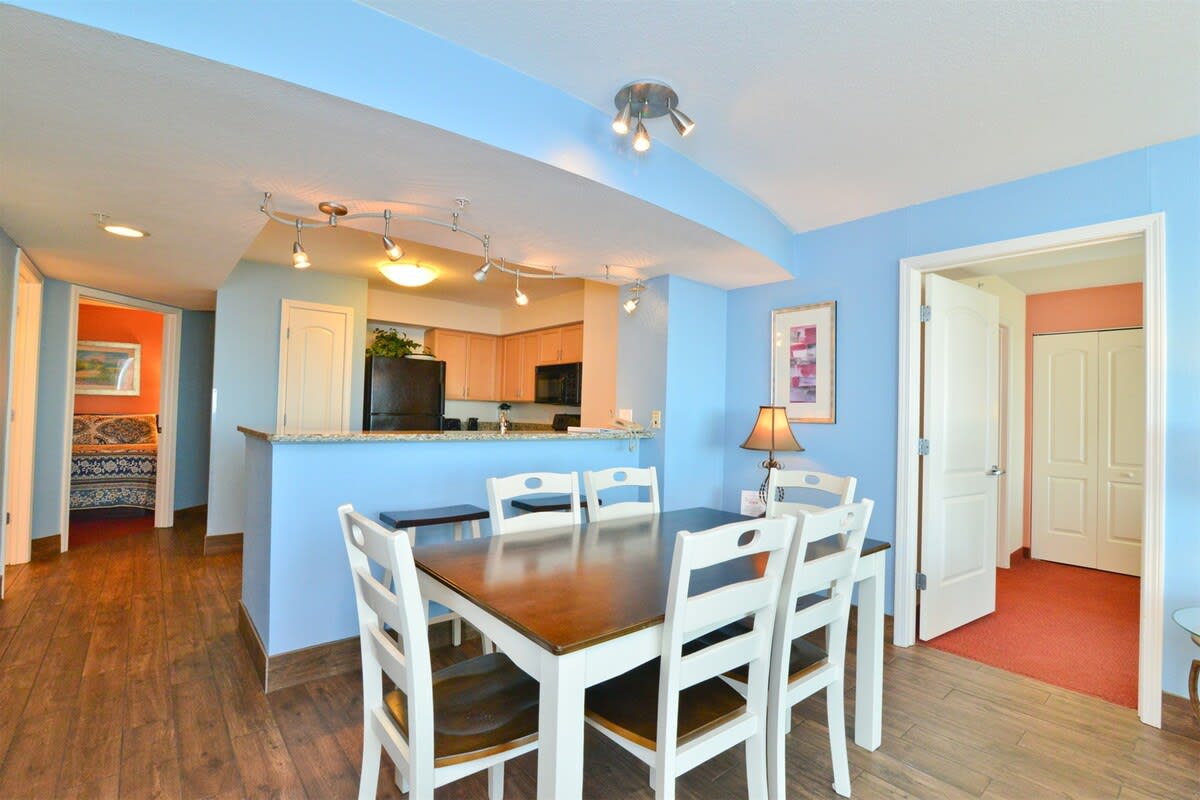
(408, 274)
(128, 231)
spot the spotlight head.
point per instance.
(482, 273)
(393, 250)
(631, 304)
(620, 123)
(682, 122)
(299, 257)
(521, 298)
(641, 138)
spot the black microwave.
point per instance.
(559, 384)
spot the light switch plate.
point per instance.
(752, 505)
(656, 419)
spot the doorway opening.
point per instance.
(1143, 234)
(120, 424)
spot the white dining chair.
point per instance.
(501, 490)
(437, 727)
(800, 668)
(596, 481)
(838, 489)
(674, 713)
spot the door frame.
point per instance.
(1152, 227)
(168, 404)
(20, 435)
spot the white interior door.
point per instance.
(15, 541)
(959, 486)
(314, 367)
(1122, 449)
(1065, 463)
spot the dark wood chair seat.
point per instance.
(804, 657)
(628, 705)
(481, 706)
(546, 502)
(441, 515)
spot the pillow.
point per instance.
(114, 429)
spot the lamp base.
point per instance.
(769, 465)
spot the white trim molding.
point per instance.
(1152, 228)
(168, 404)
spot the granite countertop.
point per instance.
(434, 436)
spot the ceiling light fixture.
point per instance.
(521, 297)
(299, 257)
(126, 231)
(410, 275)
(635, 296)
(482, 272)
(393, 250)
(653, 99)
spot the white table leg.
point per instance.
(868, 681)
(560, 727)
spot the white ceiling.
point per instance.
(824, 111)
(1102, 264)
(831, 111)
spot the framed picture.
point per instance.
(803, 348)
(108, 368)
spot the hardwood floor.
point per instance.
(122, 675)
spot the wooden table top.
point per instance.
(569, 588)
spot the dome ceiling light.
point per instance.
(410, 275)
(643, 100)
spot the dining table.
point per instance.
(577, 606)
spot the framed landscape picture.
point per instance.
(108, 368)
(803, 348)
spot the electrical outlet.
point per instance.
(656, 419)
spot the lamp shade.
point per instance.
(771, 431)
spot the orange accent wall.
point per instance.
(111, 324)
(1092, 309)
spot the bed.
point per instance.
(114, 461)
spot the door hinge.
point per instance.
(285, 420)
(922, 447)
(7, 518)
(288, 335)
(926, 313)
(922, 583)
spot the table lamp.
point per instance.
(771, 432)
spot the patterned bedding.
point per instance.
(114, 461)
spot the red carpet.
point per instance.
(1073, 627)
(102, 529)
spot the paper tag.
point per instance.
(752, 506)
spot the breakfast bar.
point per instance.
(297, 605)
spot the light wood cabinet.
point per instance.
(520, 358)
(560, 345)
(472, 363)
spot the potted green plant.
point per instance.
(393, 344)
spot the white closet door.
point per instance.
(314, 367)
(1122, 448)
(1065, 461)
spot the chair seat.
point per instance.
(805, 655)
(481, 706)
(628, 705)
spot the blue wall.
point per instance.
(246, 368)
(642, 365)
(52, 408)
(857, 264)
(195, 409)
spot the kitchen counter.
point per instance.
(435, 436)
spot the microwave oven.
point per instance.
(559, 384)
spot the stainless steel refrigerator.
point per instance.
(404, 394)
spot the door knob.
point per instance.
(995, 471)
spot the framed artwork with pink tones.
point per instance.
(803, 350)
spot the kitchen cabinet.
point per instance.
(472, 363)
(560, 345)
(519, 358)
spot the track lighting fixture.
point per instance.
(393, 250)
(635, 296)
(482, 273)
(521, 298)
(651, 99)
(299, 257)
(620, 123)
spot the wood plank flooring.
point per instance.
(122, 676)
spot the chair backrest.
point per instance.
(596, 481)
(840, 489)
(755, 596)
(406, 660)
(529, 483)
(825, 580)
